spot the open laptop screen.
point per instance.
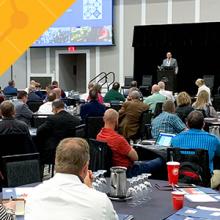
(164, 139)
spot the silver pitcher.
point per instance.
(118, 182)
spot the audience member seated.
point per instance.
(122, 153)
(202, 104)
(129, 115)
(97, 87)
(201, 87)
(38, 91)
(9, 123)
(32, 96)
(49, 89)
(23, 112)
(57, 91)
(114, 94)
(7, 211)
(56, 85)
(196, 138)
(93, 108)
(10, 89)
(184, 107)
(166, 93)
(133, 87)
(153, 99)
(55, 128)
(86, 95)
(69, 194)
(32, 83)
(2, 98)
(46, 108)
(167, 121)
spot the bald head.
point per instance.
(155, 88)
(134, 95)
(110, 115)
(161, 84)
(57, 91)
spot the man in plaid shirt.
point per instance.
(167, 121)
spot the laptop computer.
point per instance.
(163, 141)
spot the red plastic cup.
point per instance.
(173, 172)
(178, 199)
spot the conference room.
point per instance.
(110, 109)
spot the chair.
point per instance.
(38, 119)
(216, 102)
(197, 156)
(128, 80)
(100, 155)
(34, 105)
(145, 125)
(93, 126)
(147, 80)
(158, 109)
(209, 80)
(16, 143)
(70, 101)
(116, 105)
(80, 131)
(145, 87)
(21, 169)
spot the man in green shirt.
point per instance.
(153, 99)
(114, 94)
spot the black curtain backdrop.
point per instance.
(195, 46)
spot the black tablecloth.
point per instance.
(159, 207)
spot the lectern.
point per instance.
(168, 76)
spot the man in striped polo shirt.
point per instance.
(197, 138)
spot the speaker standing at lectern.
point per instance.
(170, 62)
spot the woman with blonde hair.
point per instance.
(202, 104)
(202, 86)
(184, 107)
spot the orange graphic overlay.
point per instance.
(22, 22)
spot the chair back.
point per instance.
(147, 80)
(16, 143)
(158, 109)
(70, 101)
(216, 102)
(21, 169)
(209, 80)
(145, 121)
(34, 105)
(80, 131)
(197, 156)
(100, 155)
(38, 119)
(93, 126)
(116, 105)
(128, 80)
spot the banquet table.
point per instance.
(157, 208)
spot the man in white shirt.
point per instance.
(68, 195)
(46, 108)
(164, 92)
